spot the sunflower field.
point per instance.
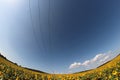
(105, 72)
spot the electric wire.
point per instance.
(49, 26)
(39, 11)
(32, 23)
(53, 20)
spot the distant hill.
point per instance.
(12, 64)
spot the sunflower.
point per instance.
(114, 72)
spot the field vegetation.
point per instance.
(12, 71)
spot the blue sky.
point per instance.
(64, 32)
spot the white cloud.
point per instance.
(86, 63)
(104, 59)
(96, 61)
(97, 57)
(75, 65)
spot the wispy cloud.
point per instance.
(75, 65)
(96, 61)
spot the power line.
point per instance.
(39, 10)
(32, 22)
(49, 27)
(51, 24)
(31, 13)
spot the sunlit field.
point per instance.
(12, 71)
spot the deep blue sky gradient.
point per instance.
(64, 32)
